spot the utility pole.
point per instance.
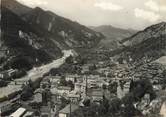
(70, 110)
(86, 86)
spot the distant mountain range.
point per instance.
(35, 36)
(113, 35)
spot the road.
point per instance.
(34, 74)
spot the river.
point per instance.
(34, 74)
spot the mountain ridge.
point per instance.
(72, 33)
(113, 35)
(148, 44)
(15, 7)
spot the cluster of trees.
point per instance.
(27, 91)
(112, 87)
(29, 88)
(141, 87)
(20, 62)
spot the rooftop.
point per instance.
(18, 112)
(64, 88)
(73, 95)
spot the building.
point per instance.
(18, 113)
(123, 90)
(96, 95)
(72, 78)
(8, 73)
(74, 98)
(120, 93)
(68, 110)
(126, 87)
(38, 96)
(63, 90)
(80, 87)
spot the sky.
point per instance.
(127, 14)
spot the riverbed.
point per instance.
(33, 74)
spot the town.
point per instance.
(78, 88)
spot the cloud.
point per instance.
(108, 6)
(146, 15)
(34, 2)
(155, 6)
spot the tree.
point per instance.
(86, 102)
(120, 60)
(93, 67)
(141, 87)
(164, 73)
(69, 59)
(105, 105)
(63, 82)
(64, 102)
(70, 84)
(104, 87)
(114, 105)
(112, 87)
(26, 93)
(54, 71)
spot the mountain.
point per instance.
(35, 36)
(153, 31)
(64, 32)
(23, 46)
(147, 44)
(113, 35)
